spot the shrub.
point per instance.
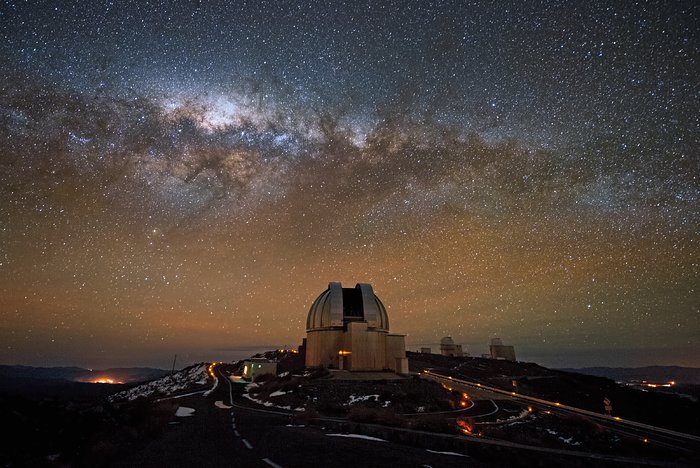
(433, 423)
(383, 416)
(329, 406)
(306, 417)
(263, 378)
(317, 372)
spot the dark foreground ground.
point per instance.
(215, 437)
(247, 435)
(51, 432)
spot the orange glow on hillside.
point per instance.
(106, 380)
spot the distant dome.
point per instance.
(447, 341)
(336, 306)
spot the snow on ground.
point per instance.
(269, 404)
(216, 384)
(566, 440)
(185, 379)
(356, 399)
(221, 404)
(455, 454)
(277, 393)
(184, 411)
(523, 414)
(357, 436)
(569, 440)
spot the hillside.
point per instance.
(582, 391)
(78, 374)
(681, 375)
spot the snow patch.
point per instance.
(220, 404)
(269, 404)
(566, 440)
(521, 415)
(357, 436)
(216, 384)
(454, 454)
(356, 399)
(183, 411)
(569, 441)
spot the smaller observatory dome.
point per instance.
(447, 341)
(336, 306)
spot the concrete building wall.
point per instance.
(322, 347)
(368, 347)
(401, 366)
(395, 349)
(363, 348)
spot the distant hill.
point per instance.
(681, 375)
(78, 374)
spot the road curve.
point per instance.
(465, 439)
(682, 439)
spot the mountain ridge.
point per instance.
(679, 374)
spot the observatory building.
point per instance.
(449, 348)
(500, 351)
(348, 328)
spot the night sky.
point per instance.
(186, 177)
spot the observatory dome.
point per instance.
(337, 306)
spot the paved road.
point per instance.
(204, 439)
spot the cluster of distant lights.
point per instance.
(655, 385)
(647, 384)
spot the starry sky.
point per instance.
(187, 176)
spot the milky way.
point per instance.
(186, 177)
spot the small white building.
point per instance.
(258, 366)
